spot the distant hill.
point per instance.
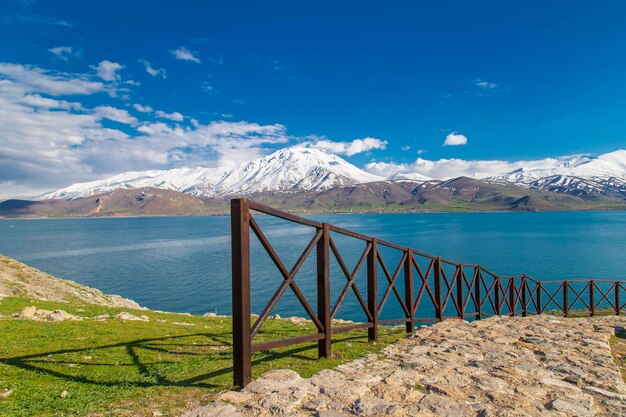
(145, 201)
(459, 194)
(311, 171)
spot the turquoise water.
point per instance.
(183, 263)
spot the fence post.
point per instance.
(496, 287)
(323, 292)
(524, 301)
(618, 306)
(242, 340)
(539, 307)
(478, 276)
(512, 302)
(408, 289)
(565, 298)
(459, 291)
(438, 307)
(372, 290)
(592, 300)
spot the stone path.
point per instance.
(502, 366)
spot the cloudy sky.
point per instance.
(91, 89)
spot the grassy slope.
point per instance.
(134, 368)
(20, 280)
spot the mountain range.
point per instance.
(307, 179)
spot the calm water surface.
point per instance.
(183, 263)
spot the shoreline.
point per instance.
(299, 213)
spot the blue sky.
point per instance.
(518, 80)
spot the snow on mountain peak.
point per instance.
(300, 168)
(288, 169)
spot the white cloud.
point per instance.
(37, 101)
(115, 114)
(143, 109)
(107, 70)
(49, 143)
(185, 54)
(64, 52)
(155, 72)
(31, 19)
(34, 79)
(421, 151)
(176, 116)
(444, 169)
(405, 148)
(455, 139)
(488, 85)
(485, 88)
(348, 148)
(207, 87)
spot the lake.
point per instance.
(183, 263)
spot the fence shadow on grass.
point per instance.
(148, 359)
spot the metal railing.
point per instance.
(444, 289)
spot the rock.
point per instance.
(314, 405)
(274, 381)
(60, 315)
(103, 317)
(558, 383)
(32, 313)
(445, 406)
(27, 312)
(330, 413)
(374, 407)
(298, 321)
(336, 386)
(605, 393)
(213, 410)
(569, 408)
(497, 367)
(234, 397)
(124, 315)
(5, 393)
(64, 394)
(534, 340)
(284, 401)
(19, 280)
(493, 384)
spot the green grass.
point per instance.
(578, 313)
(618, 349)
(134, 368)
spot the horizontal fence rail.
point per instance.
(427, 288)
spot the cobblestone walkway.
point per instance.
(502, 366)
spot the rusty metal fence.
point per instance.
(443, 288)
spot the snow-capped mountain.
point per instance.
(580, 175)
(409, 176)
(289, 169)
(609, 165)
(300, 168)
